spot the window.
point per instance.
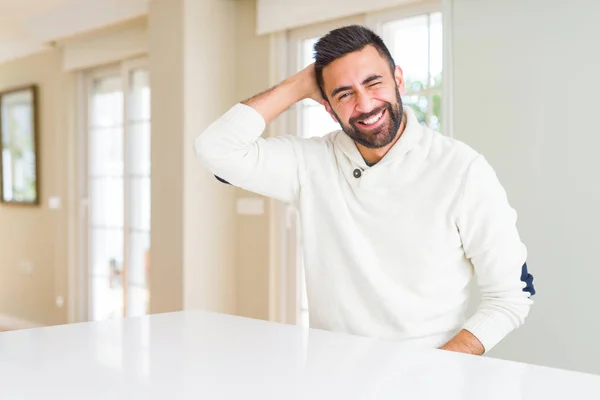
(416, 46)
(117, 188)
(414, 38)
(314, 120)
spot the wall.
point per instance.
(224, 263)
(252, 236)
(109, 45)
(192, 62)
(37, 234)
(278, 15)
(209, 90)
(526, 97)
(165, 35)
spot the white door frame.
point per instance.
(81, 301)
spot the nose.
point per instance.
(364, 103)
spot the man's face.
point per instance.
(364, 97)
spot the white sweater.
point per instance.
(389, 250)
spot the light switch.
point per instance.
(54, 203)
(250, 206)
(26, 267)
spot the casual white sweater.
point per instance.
(389, 250)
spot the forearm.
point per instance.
(277, 99)
(464, 342)
(234, 135)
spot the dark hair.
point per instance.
(345, 40)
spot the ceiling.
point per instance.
(29, 26)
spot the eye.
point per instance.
(341, 97)
(374, 84)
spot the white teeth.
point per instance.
(373, 119)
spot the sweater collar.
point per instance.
(413, 131)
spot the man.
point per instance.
(396, 219)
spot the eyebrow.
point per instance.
(344, 88)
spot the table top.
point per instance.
(199, 355)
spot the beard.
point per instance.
(382, 135)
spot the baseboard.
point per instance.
(9, 323)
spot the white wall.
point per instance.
(526, 86)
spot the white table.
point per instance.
(196, 355)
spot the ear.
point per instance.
(330, 111)
(399, 77)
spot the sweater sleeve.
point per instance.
(487, 226)
(233, 150)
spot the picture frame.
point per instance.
(19, 146)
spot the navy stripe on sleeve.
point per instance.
(528, 279)
(222, 180)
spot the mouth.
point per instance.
(373, 121)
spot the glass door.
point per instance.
(118, 191)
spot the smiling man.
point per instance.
(396, 219)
